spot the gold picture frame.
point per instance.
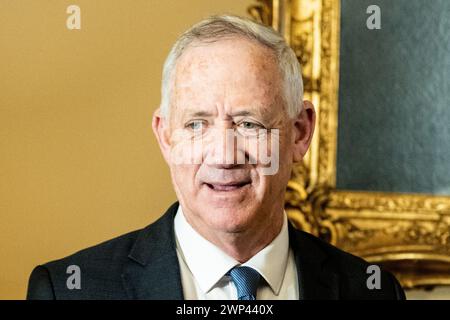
(408, 234)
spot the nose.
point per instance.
(222, 149)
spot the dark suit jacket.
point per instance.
(143, 265)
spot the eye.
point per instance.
(250, 128)
(196, 125)
(248, 125)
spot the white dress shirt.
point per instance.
(204, 266)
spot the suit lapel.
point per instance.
(315, 281)
(152, 271)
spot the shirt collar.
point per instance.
(271, 262)
(209, 264)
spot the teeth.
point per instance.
(219, 187)
(225, 188)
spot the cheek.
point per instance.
(184, 178)
(263, 186)
(185, 152)
(271, 188)
(286, 149)
(271, 181)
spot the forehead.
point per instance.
(233, 72)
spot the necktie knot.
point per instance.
(246, 280)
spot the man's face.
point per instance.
(232, 85)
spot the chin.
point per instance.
(229, 219)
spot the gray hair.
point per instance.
(219, 27)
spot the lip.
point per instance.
(226, 186)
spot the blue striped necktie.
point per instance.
(246, 281)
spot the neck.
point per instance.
(243, 245)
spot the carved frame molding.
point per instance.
(407, 233)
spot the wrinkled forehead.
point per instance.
(232, 72)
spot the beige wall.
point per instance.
(79, 163)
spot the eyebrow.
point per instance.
(202, 113)
(243, 113)
(252, 113)
(192, 113)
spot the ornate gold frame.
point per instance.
(407, 233)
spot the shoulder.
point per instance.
(101, 267)
(340, 260)
(98, 267)
(104, 256)
(357, 278)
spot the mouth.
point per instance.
(226, 187)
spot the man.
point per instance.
(231, 94)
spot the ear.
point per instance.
(304, 125)
(160, 126)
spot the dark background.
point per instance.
(394, 98)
